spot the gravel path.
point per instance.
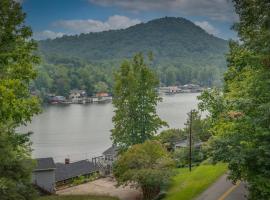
(104, 186)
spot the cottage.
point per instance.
(66, 172)
(43, 175)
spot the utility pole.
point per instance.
(190, 139)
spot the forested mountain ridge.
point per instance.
(166, 37)
(183, 53)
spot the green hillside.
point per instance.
(183, 53)
(167, 38)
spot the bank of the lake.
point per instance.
(83, 131)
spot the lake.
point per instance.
(83, 131)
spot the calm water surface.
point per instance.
(83, 131)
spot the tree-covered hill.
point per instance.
(183, 53)
(168, 38)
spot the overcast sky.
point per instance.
(54, 18)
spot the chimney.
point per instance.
(67, 161)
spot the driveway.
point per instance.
(104, 186)
(223, 189)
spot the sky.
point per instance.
(55, 18)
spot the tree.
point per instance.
(17, 105)
(239, 114)
(135, 100)
(147, 166)
(170, 136)
(101, 87)
(199, 127)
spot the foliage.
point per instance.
(147, 166)
(62, 77)
(77, 197)
(188, 185)
(101, 87)
(17, 105)
(240, 113)
(84, 179)
(184, 53)
(200, 127)
(181, 156)
(170, 136)
(135, 100)
(200, 133)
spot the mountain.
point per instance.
(169, 38)
(183, 53)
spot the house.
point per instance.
(43, 175)
(111, 153)
(185, 143)
(102, 94)
(105, 162)
(180, 144)
(66, 172)
(77, 95)
(102, 97)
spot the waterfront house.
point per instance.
(102, 97)
(43, 176)
(76, 96)
(66, 172)
(102, 94)
(170, 90)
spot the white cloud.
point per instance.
(209, 28)
(85, 26)
(47, 34)
(19, 1)
(215, 9)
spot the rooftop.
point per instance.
(45, 164)
(72, 170)
(111, 151)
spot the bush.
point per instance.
(181, 156)
(147, 166)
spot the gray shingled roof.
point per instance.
(72, 170)
(111, 151)
(44, 164)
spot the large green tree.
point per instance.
(135, 101)
(17, 106)
(240, 114)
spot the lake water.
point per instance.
(83, 131)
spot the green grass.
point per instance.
(77, 197)
(188, 185)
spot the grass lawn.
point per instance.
(77, 197)
(187, 186)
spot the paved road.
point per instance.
(223, 189)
